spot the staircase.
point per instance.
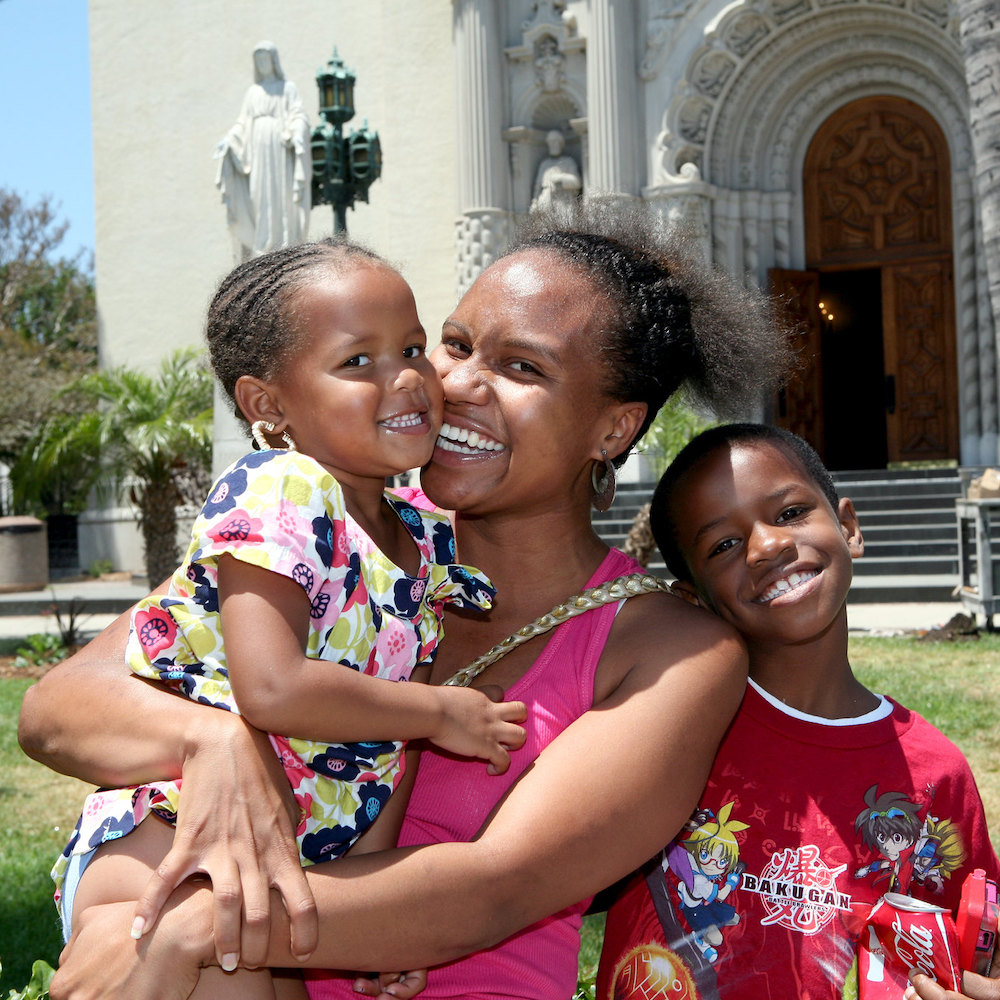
(907, 519)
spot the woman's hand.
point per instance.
(100, 962)
(235, 824)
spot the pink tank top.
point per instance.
(452, 798)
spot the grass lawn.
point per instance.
(955, 685)
(38, 810)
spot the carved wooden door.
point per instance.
(876, 186)
(799, 406)
(919, 337)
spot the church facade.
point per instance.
(821, 148)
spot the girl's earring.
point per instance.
(604, 488)
(261, 427)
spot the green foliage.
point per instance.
(48, 331)
(146, 436)
(671, 429)
(99, 567)
(38, 650)
(38, 985)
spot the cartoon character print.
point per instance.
(911, 851)
(889, 825)
(707, 864)
(937, 853)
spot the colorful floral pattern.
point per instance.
(282, 511)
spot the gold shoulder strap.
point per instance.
(619, 589)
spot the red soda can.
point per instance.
(977, 922)
(904, 933)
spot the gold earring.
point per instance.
(261, 427)
(604, 488)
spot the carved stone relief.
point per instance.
(857, 30)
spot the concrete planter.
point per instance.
(24, 554)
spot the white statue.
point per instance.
(265, 166)
(558, 177)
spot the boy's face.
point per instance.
(765, 549)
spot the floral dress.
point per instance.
(282, 511)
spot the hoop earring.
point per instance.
(258, 429)
(604, 488)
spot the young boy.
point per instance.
(823, 796)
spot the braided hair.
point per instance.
(251, 325)
(671, 321)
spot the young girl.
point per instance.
(301, 556)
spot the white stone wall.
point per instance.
(167, 81)
(462, 103)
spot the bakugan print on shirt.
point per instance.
(765, 892)
(927, 851)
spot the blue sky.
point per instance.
(45, 144)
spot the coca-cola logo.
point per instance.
(914, 945)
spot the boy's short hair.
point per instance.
(661, 516)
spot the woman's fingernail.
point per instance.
(229, 961)
(138, 928)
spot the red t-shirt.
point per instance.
(803, 825)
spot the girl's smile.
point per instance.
(360, 395)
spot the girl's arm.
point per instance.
(605, 796)
(264, 621)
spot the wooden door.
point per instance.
(876, 186)
(799, 406)
(919, 336)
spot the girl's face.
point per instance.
(525, 414)
(359, 395)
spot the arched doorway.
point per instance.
(875, 308)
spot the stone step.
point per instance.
(911, 540)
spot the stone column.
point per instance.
(612, 99)
(483, 225)
(781, 202)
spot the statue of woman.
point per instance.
(265, 164)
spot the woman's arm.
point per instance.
(607, 794)
(81, 710)
(90, 702)
(601, 799)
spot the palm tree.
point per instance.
(148, 437)
(979, 29)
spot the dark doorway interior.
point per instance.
(854, 379)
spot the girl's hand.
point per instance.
(235, 824)
(474, 726)
(400, 985)
(975, 987)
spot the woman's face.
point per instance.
(525, 414)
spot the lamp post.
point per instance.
(343, 167)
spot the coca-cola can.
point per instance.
(903, 933)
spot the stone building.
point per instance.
(819, 147)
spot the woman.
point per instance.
(553, 363)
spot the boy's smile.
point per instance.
(765, 549)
